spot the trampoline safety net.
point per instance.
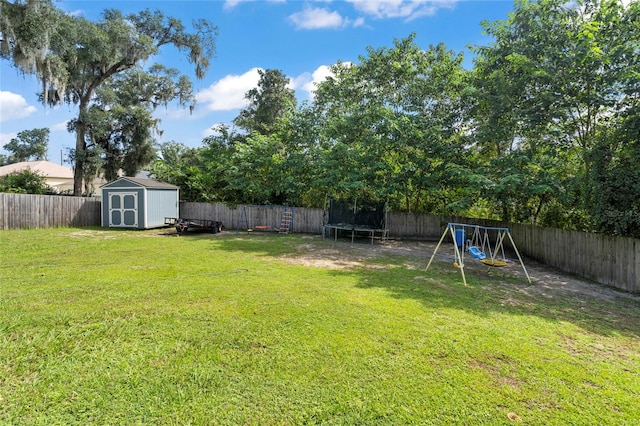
(366, 214)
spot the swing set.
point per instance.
(479, 246)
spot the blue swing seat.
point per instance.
(476, 253)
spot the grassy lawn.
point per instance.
(126, 327)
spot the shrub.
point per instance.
(25, 181)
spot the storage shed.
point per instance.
(138, 203)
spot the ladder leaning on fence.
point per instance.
(286, 224)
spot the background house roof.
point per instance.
(44, 168)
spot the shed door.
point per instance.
(123, 209)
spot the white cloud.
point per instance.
(303, 82)
(307, 82)
(5, 138)
(230, 4)
(14, 106)
(228, 92)
(58, 127)
(315, 18)
(407, 9)
(322, 72)
(359, 22)
(77, 12)
(208, 132)
(213, 130)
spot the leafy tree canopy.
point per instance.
(28, 145)
(269, 101)
(392, 123)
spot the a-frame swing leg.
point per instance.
(444, 234)
(458, 256)
(499, 246)
(519, 257)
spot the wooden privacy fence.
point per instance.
(613, 261)
(24, 211)
(305, 220)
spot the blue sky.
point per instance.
(300, 38)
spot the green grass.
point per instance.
(124, 327)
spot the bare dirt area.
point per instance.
(342, 254)
(545, 281)
(93, 234)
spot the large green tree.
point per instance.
(26, 30)
(73, 57)
(614, 181)
(546, 86)
(299, 133)
(120, 124)
(394, 126)
(268, 102)
(257, 172)
(203, 172)
(28, 145)
(179, 165)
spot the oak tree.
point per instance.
(73, 56)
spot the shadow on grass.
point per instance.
(441, 287)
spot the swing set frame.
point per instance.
(483, 239)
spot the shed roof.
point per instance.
(143, 182)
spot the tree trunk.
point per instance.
(506, 216)
(81, 148)
(79, 163)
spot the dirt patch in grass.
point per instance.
(497, 376)
(338, 256)
(546, 282)
(85, 233)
